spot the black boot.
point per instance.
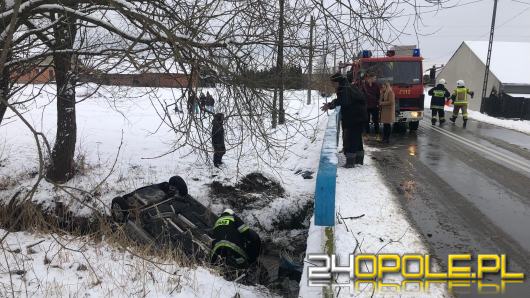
(359, 157)
(433, 121)
(350, 161)
(453, 119)
(465, 123)
(442, 121)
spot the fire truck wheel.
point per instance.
(413, 126)
(179, 184)
(119, 210)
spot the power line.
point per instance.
(440, 9)
(510, 19)
(522, 2)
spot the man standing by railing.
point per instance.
(353, 110)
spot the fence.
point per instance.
(327, 174)
(506, 106)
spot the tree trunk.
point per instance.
(279, 65)
(61, 166)
(274, 108)
(4, 76)
(4, 91)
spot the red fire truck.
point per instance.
(403, 68)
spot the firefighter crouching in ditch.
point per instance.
(438, 95)
(354, 116)
(460, 101)
(235, 244)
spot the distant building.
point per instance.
(163, 80)
(44, 72)
(508, 81)
(41, 73)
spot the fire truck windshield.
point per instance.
(397, 73)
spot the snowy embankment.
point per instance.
(54, 266)
(518, 125)
(121, 137)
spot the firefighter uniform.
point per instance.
(438, 95)
(460, 101)
(235, 244)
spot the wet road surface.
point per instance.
(465, 190)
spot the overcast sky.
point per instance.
(471, 20)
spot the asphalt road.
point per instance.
(466, 191)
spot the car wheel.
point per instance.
(119, 210)
(179, 184)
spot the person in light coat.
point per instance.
(387, 103)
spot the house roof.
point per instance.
(510, 61)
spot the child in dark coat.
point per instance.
(218, 139)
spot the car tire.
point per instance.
(119, 210)
(179, 184)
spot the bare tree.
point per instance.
(224, 38)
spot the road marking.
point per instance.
(518, 163)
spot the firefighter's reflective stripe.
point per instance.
(461, 96)
(243, 228)
(230, 245)
(437, 107)
(224, 221)
(439, 93)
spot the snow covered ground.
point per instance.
(519, 125)
(101, 120)
(55, 266)
(130, 116)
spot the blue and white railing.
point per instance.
(327, 174)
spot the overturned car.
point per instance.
(165, 214)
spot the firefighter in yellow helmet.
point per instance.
(460, 101)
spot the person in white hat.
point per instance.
(460, 101)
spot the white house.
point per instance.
(509, 69)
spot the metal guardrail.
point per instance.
(327, 174)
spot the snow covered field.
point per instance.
(130, 117)
(55, 266)
(519, 125)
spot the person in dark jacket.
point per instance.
(438, 95)
(210, 102)
(432, 75)
(353, 111)
(218, 139)
(192, 102)
(372, 93)
(235, 244)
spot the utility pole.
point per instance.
(281, 116)
(324, 61)
(310, 71)
(488, 60)
(334, 60)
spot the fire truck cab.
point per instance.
(404, 70)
